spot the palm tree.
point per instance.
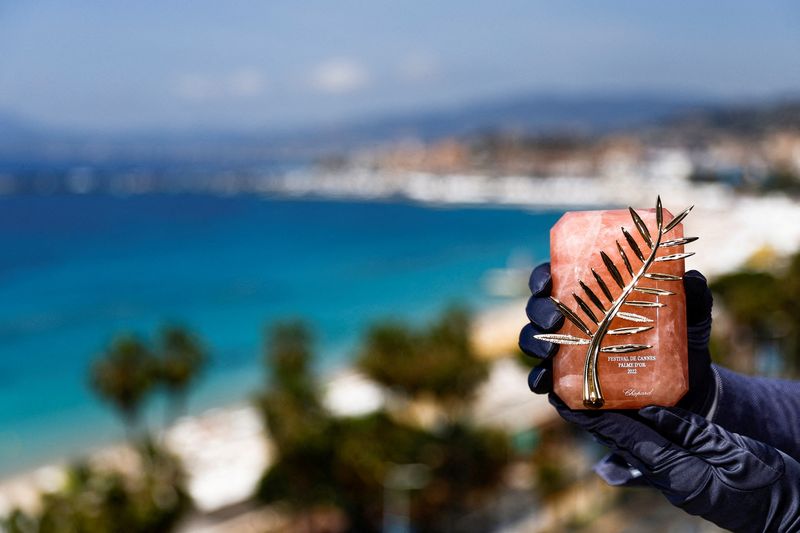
(297, 423)
(181, 361)
(288, 355)
(291, 404)
(123, 376)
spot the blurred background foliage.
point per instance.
(94, 499)
(339, 473)
(759, 329)
(346, 462)
(398, 357)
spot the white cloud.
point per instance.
(244, 82)
(247, 81)
(340, 75)
(418, 67)
(196, 88)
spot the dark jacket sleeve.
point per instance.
(760, 408)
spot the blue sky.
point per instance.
(113, 65)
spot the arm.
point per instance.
(760, 408)
(736, 482)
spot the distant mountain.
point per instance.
(741, 119)
(524, 114)
(14, 129)
(529, 114)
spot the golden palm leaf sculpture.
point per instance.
(592, 394)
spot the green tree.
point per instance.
(291, 404)
(467, 464)
(296, 421)
(322, 460)
(765, 310)
(289, 357)
(182, 358)
(438, 360)
(123, 376)
(348, 464)
(95, 500)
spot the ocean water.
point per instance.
(75, 270)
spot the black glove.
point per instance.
(546, 318)
(736, 482)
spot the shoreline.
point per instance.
(720, 213)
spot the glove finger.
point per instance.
(544, 314)
(698, 332)
(617, 472)
(698, 298)
(540, 282)
(686, 429)
(739, 461)
(534, 347)
(540, 380)
(621, 432)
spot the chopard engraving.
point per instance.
(636, 392)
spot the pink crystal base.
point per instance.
(656, 376)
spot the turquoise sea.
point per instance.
(76, 269)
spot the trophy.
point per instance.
(617, 279)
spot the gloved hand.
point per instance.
(736, 482)
(546, 318)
